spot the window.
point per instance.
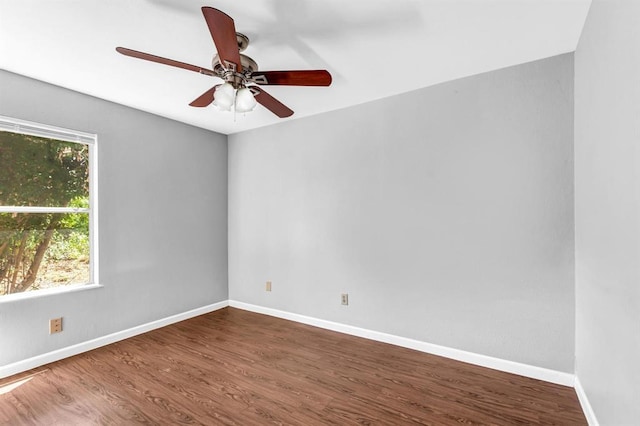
(47, 207)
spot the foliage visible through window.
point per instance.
(44, 213)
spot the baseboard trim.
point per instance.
(553, 376)
(585, 404)
(547, 375)
(37, 361)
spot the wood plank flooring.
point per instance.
(240, 368)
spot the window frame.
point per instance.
(67, 135)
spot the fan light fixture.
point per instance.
(245, 101)
(223, 97)
(226, 96)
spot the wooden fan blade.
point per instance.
(223, 32)
(293, 78)
(165, 61)
(205, 99)
(270, 103)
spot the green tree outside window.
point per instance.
(43, 249)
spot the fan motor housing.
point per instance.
(249, 66)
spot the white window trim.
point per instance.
(29, 209)
(91, 140)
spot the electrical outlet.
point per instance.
(344, 298)
(55, 325)
(268, 288)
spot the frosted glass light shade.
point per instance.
(223, 97)
(245, 101)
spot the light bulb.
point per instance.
(223, 97)
(245, 101)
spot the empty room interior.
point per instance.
(431, 216)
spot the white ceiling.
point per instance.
(373, 48)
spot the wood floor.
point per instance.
(237, 367)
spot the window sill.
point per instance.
(48, 292)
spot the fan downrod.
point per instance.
(243, 41)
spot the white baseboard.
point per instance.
(539, 373)
(584, 403)
(526, 370)
(37, 361)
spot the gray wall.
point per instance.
(163, 220)
(607, 185)
(445, 213)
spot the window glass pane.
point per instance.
(36, 171)
(43, 250)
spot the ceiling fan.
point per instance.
(240, 73)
